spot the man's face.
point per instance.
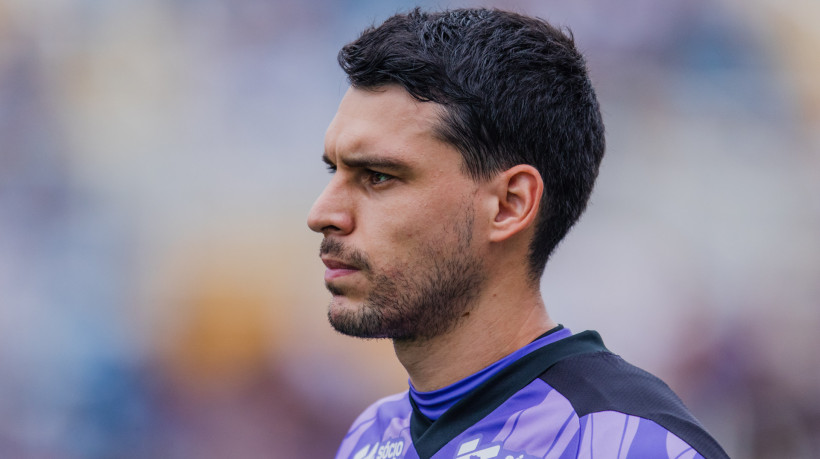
(398, 220)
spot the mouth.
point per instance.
(336, 269)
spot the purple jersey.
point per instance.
(569, 399)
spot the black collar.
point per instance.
(428, 436)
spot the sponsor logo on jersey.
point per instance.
(389, 449)
(471, 449)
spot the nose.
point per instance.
(332, 212)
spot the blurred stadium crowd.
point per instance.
(160, 294)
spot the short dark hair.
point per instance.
(514, 90)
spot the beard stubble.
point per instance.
(412, 303)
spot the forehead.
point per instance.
(386, 120)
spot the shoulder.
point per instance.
(613, 398)
(604, 381)
(384, 424)
(392, 406)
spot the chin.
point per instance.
(356, 319)
(341, 305)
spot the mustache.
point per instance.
(344, 253)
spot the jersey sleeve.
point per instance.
(618, 435)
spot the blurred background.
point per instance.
(161, 295)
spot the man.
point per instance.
(465, 149)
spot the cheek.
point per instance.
(401, 243)
(410, 222)
(420, 228)
(411, 228)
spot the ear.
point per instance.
(518, 193)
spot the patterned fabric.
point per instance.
(518, 414)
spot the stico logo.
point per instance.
(390, 450)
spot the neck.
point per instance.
(498, 325)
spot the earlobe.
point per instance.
(518, 191)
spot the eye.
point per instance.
(331, 168)
(377, 178)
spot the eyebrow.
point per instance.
(363, 161)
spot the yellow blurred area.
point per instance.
(225, 333)
(793, 22)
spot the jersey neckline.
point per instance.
(429, 436)
(434, 403)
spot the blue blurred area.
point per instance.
(160, 294)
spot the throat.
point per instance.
(432, 404)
